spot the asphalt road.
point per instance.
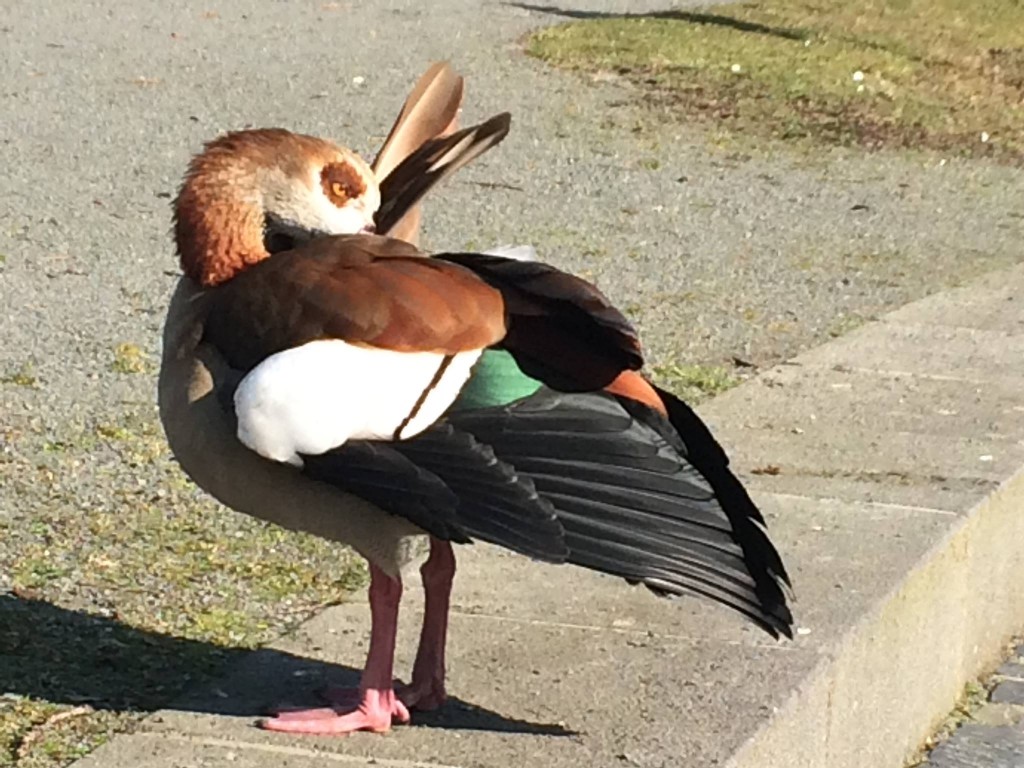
(715, 255)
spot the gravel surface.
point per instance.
(715, 255)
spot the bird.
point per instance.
(322, 374)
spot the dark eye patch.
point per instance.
(275, 242)
(282, 235)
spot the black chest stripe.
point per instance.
(418, 405)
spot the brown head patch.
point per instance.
(342, 182)
(218, 214)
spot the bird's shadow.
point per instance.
(702, 18)
(68, 657)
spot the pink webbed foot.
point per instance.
(375, 707)
(378, 703)
(371, 710)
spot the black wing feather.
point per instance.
(450, 485)
(384, 477)
(685, 429)
(495, 502)
(561, 329)
(632, 504)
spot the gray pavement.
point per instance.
(715, 254)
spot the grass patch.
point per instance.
(129, 358)
(127, 586)
(23, 376)
(972, 706)
(843, 324)
(938, 74)
(693, 383)
(39, 733)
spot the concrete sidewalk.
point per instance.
(887, 464)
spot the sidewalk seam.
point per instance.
(293, 751)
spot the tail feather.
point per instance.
(430, 111)
(431, 164)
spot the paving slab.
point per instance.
(1009, 692)
(1014, 666)
(980, 746)
(958, 307)
(898, 603)
(959, 354)
(992, 735)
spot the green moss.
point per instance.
(843, 324)
(970, 702)
(129, 358)
(113, 432)
(230, 626)
(39, 734)
(938, 74)
(693, 383)
(22, 376)
(35, 572)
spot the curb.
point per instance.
(944, 625)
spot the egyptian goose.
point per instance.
(335, 381)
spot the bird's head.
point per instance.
(251, 194)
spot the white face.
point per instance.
(304, 204)
(352, 217)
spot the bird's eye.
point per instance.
(341, 182)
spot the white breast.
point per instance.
(316, 397)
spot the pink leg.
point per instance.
(426, 691)
(377, 704)
(427, 688)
